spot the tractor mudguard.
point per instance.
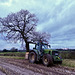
(33, 51)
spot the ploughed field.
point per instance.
(15, 66)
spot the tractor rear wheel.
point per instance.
(32, 57)
(47, 60)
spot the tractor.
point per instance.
(42, 52)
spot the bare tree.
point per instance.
(21, 26)
(18, 26)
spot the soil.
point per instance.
(10, 66)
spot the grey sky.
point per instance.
(55, 17)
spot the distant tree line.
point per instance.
(13, 49)
(67, 54)
(65, 49)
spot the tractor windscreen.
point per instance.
(45, 47)
(56, 53)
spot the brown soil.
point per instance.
(23, 67)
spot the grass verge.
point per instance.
(20, 54)
(15, 57)
(68, 62)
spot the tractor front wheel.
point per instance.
(47, 60)
(60, 62)
(32, 57)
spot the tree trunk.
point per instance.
(27, 46)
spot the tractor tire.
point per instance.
(47, 60)
(32, 57)
(60, 62)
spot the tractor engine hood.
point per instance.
(51, 51)
(47, 50)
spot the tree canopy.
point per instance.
(21, 26)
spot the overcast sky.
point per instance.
(56, 17)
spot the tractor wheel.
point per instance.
(60, 62)
(32, 57)
(47, 60)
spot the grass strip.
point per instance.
(68, 62)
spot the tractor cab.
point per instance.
(40, 46)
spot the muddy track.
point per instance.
(36, 69)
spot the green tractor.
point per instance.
(42, 52)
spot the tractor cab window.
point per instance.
(37, 47)
(56, 53)
(45, 47)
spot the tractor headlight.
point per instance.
(58, 57)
